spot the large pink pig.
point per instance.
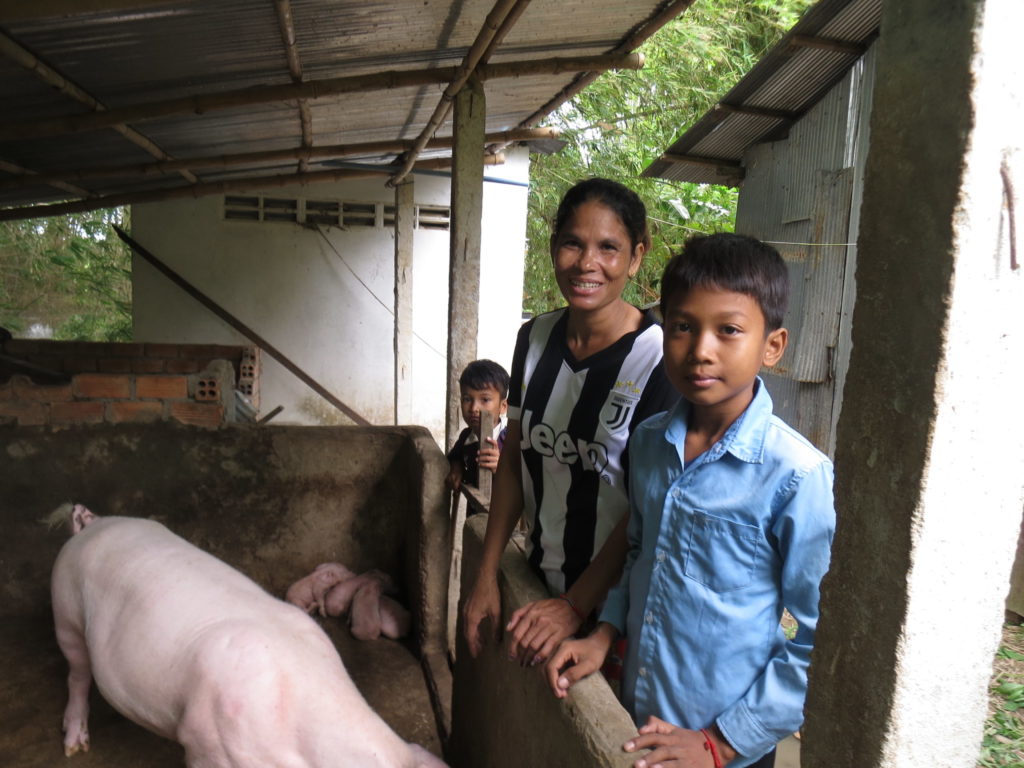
(183, 644)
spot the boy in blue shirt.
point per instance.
(731, 520)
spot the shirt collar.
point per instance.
(744, 438)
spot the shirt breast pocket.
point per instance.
(722, 555)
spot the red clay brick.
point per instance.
(198, 414)
(163, 350)
(81, 412)
(123, 350)
(21, 347)
(26, 389)
(114, 364)
(148, 365)
(161, 387)
(102, 385)
(80, 364)
(182, 366)
(27, 414)
(135, 410)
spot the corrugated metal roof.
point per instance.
(124, 53)
(790, 79)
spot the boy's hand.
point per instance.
(454, 479)
(487, 458)
(675, 747)
(484, 603)
(538, 627)
(576, 659)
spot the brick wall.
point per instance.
(63, 383)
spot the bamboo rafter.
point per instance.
(25, 58)
(487, 40)
(148, 170)
(204, 189)
(586, 77)
(286, 23)
(20, 173)
(310, 89)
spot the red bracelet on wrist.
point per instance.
(709, 746)
(577, 611)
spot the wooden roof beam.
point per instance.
(162, 168)
(828, 44)
(25, 58)
(287, 25)
(487, 39)
(310, 89)
(32, 178)
(730, 170)
(741, 109)
(204, 189)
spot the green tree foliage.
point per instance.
(624, 120)
(70, 273)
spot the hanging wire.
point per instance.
(369, 290)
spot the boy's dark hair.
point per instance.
(481, 374)
(624, 201)
(733, 263)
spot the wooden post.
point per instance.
(484, 476)
(464, 262)
(405, 213)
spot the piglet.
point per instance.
(188, 647)
(308, 592)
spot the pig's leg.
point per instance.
(76, 714)
(394, 619)
(365, 616)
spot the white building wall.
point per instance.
(323, 296)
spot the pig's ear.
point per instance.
(80, 517)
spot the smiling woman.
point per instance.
(582, 377)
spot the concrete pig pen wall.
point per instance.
(505, 716)
(271, 501)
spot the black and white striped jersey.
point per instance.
(575, 419)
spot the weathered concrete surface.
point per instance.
(271, 501)
(930, 451)
(504, 716)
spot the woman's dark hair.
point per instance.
(733, 263)
(481, 374)
(621, 199)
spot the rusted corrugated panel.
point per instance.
(175, 49)
(789, 78)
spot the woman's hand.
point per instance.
(484, 604)
(576, 659)
(537, 628)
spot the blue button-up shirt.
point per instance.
(717, 549)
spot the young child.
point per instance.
(731, 520)
(484, 387)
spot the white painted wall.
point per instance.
(323, 298)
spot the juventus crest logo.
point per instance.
(617, 411)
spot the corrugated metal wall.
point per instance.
(803, 195)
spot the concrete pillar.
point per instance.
(405, 222)
(467, 210)
(930, 450)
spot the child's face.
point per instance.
(593, 257)
(715, 343)
(476, 401)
